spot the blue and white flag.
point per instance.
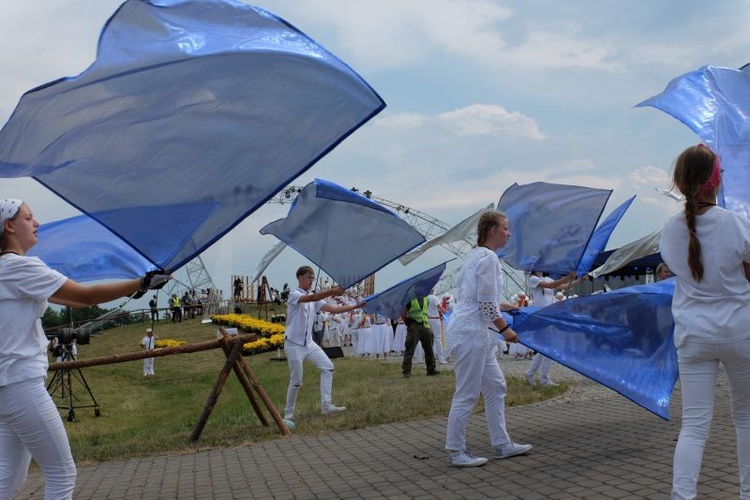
(550, 225)
(391, 303)
(622, 339)
(346, 234)
(601, 235)
(194, 114)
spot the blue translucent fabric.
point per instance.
(193, 115)
(550, 225)
(391, 303)
(83, 250)
(601, 235)
(622, 339)
(347, 235)
(714, 102)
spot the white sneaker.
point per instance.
(549, 383)
(331, 408)
(465, 459)
(511, 450)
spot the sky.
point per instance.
(480, 94)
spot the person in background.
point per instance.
(663, 272)
(543, 294)
(435, 311)
(154, 307)
(472, 342)
(148, 342)
(708, 250)
(418, 331)
(30, 424)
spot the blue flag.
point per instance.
(193, 115)
(601, 235)
(83, 250)
(346, 234)
(391, 302)
(550, 225)
(622, 339)
(714, 102)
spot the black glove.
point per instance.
(152, 280)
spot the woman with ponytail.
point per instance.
(708, 250)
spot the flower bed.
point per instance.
(272, 334)
(168, 343)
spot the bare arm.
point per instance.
(558, 282)
(314, 297)
(340, 309)
(74, 294)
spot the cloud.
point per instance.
(473, 120)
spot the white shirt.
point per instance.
(300, 317)
(717, 308)
(25, 285)
(432, 307)
(148, 342)
(542, 297)
(480, 280)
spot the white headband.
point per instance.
(8, 209)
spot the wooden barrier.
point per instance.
(232, 347)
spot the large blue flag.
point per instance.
(193, 115)
(83, 250)
(714, 102)
(346, 234)
(391, 302)
(622, 339)
(550, 225)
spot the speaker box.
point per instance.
(334, 352)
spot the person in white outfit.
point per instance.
(435, 310)
(543, 294)
(301, 308)
(30, 424)
(472, 342)
(708, 250)
(148, 342)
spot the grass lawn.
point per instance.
(147, 416)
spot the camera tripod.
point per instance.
(61, 387)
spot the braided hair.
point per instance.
(696, 173)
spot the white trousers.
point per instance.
(30, 426)
(477, 371)
(296, 355)
(437, 335)
(699, 366)
(148, 366)
(541, 364)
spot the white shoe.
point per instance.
(549, 383)
(530, 379)
(511, 450)
(331, 408)
(465, 459)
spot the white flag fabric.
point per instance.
(464, 229)
(274, 252)
(635, 250)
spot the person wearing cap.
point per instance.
(148, 342)
(30, 424)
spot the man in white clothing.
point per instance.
(434, 312)
(149, 343)
(301, 307)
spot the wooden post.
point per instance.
(243, 380)
(218, 386)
